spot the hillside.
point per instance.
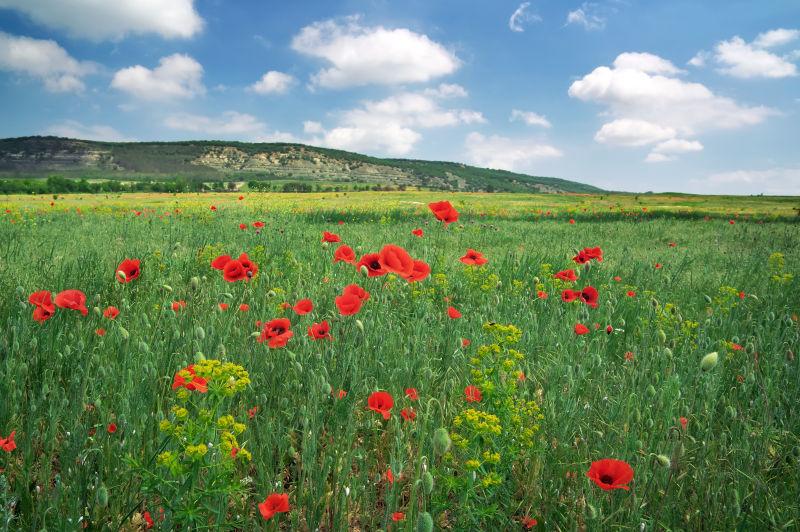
(37, 157)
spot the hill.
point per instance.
(37, 157)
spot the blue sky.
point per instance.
(622, 94)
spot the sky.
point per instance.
(629, 95)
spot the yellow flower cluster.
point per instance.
(231, 378)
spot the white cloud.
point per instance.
(654, 157)
(44, 60)
(699, 59)
(777, 181)
(372, 55)
(273, 82)
(106, 19)
(230, 124)
(648, 104)
(390, 125)
(740, 59)
(669, 149)
(447, 90)
(521, 16)
(312, 128)
(774, 38)
(529, 117)
(177, 76)
(589, 15)
(76, 130)
(505, 153)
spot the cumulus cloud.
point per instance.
(590, 15)
(44, 60)
(669, 149)
(230, 124)
(360, 55)
(774, 38)
(741, 59)
(98, 20)
(776, 181)
(649, 104)
(273, 82)
(391, 125)
(529, 117)
(447, 90)
(77, 130)
(506, 153)
(177, 76)
(521, 16)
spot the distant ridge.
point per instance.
(37, 157)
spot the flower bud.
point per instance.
(663, 460)
(271, 293)
(124, 332)
(360, 325)
(194, 282)
(662, 336)
(199, 333)
(424, 522)
(427, 482)
(364, 270)
(102, 495)
(166, 287)
(441, 441)
(709, 361)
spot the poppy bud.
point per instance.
(194, 282)
(668, 352)
(271, 293)
(364, 270)
(708, 298)
(360, 325)
(166, 287)
(124, 333)
(427, 482)
(102, 495)
(121, 276)
(97, 311)
(591, 511)
(709, 361)
(255, 334)
(199, 333)
(662, 336)
(731, 411)
(298, 367)
(536, 280)
(663, 460)
(424, 522)
(20, 290)
(199, 357)
(651, 390)
(441, 441)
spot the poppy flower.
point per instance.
(243, 227)
(213, 208)
(241, 198)
(408, 414)
(394, 259)
(274, 504)
(128, 270)
(44, 305)
(566, 275)
(330, 237)
(223, 306)
(572, 221)
(220, 262)
(357, 291)
(453, 313)
(251, 413)
(631, 293)
(234, 271)
(276, 333)
(250, 268)
(348, 304)
(629, 356)
(617, 278)
(303, 307)
(381, 402)
(683, 421)
(741, 295)
(474, 258)
(581, 329)
(8, 444)
(473, 394)
(541, 294)
(417, 232)
(187, 378)
(111, 312)
(321, 330)
(258, 224)
(372, 263)
(344, 253)
(178, 305)
(341, 394)
(672, 244)
(568, 296)
(444, 211)
(588, 254)
(610, 474)
(389, 476)
(657, 266)
(244, 307)
(112, 428)
(609, 329)
(589, 296)
(412, 394)
(72, 299)
(100, 331)
(529, 522)
(398, 516)
(420, 272)
(148, 520)
(465, 342)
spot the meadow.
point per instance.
(472, 396)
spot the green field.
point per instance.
(552, 401)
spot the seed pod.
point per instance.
(709, 361)
(427, 482)
(441, 441)
(424, 522)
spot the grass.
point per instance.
(733, 467)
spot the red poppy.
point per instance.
(568, 296)
(609, 329)
(581, 329)
(617, 278)
(684, 422)
(566, 275)
(250, 268)
(372, 262)
(8, 444)
(344, 253)
(241, 198)
(658, 266)
(398, 516)
(251, 413)
(243, 227)
(529, 522)
(357, 291)
(610, 474)
(220, 262)
(473, 394)
(453, 313)
(588, 254)
(389, 476)
(465, 342)
(303, 307)
(187, 378)
(629, 356)
(112, 428)
(736, 347)
(128, 270)
(274, 504)
(417, 232)
(731, 222)
(213, 207)
(572, 221)
(408, 414)
(394, 259)
(741, 295)
(178, 305)
(100, 331)
(672, 244)
(589, 296)
(244, 307)
(420, 272)
(631, 293)
(234, 271)
(276, 333)
(444, 211)
(111, 312)
(148, 520)
(412, 394)
(348, 304)
(381, 402)
(541, 294)
(321, 330)
(223, 306)
(72, 299)
(258, 225)
(474, 258)
(44, 305)
(330, 237)
(341, 394)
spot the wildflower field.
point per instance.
(416, 361)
